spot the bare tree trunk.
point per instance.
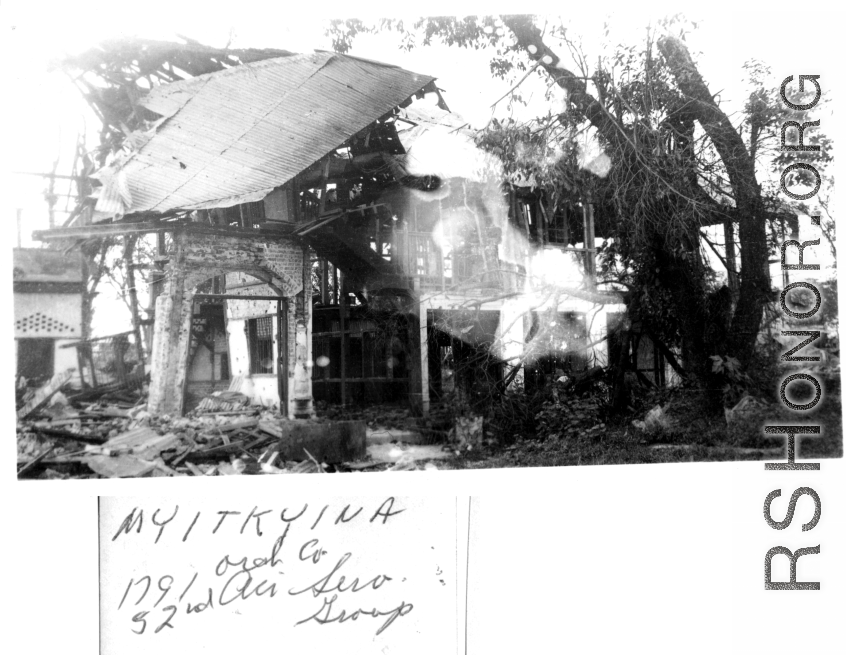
(740, 167)
(93, 268)
(132, 292)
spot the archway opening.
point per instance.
(238, 349)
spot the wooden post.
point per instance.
(544, 223)
(419, 351)
(345, 349)
(51, 196)
(377, 235)
(324, 265)
(282, 354)
(588, 238)
(79, 363)
(411, 262)
(90, 354)
(324, 182)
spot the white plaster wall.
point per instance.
(239, 360)
(262, 389)
(65, 358)
(63, 312)
(201, 365)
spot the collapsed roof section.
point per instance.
(232, 136)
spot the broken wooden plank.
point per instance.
(56, 422)
(230, 412)
(213, 453)
(260, 441)
(238, 425)
(103, 229)
(271, 428)
(135, 437)
(34, 461)
(142, 441)
(67, 434)
(45, 393)
(179, 457)
(113, 411)
(194, 470)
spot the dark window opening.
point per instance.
(557, 229)
(260, 345)
(35, 358)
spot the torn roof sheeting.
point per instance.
(233, 136)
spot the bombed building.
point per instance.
(328, 231)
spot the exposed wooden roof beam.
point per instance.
(149, 227)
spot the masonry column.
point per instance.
(167, 360)
(419, 354)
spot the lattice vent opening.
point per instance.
(38, 323)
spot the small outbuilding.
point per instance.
(48, 288)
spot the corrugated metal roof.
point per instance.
(241, 132)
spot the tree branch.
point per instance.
(740, 167)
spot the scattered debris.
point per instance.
(114, 436)
(655, 421)
(467, 432)
(230, 400)
(748, 407)
(44, 393)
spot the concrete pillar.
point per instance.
(170, 343)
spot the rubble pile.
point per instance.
(580, 416)
(115, 436)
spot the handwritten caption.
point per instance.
(308, 555)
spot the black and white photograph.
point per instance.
(530, 310)
(479, 242)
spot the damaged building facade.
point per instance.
(328, 231)
(48, 288)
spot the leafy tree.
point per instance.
(678, 165)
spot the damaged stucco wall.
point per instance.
(55, 316)
(195, 258)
